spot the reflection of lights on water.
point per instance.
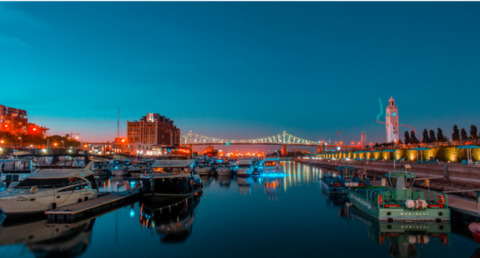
(132, 213)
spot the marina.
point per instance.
(189, 222)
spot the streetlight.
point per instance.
(21, 141)
(63, 144)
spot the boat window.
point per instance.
(45, 161)
(43, 183)
(409, 183)
(79, 162)
(393, 182)
(9, 166)
(64, 161)
(270, 163)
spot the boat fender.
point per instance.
(421, 204)
(410, 204)
(33, 189)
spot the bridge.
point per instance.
(284, 139)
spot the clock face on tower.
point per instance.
(394, 114)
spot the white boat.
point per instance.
(203, 168)
(60, 180)
(16, 170)
(233, 166)
(223, 169)
(245, 167)
(272, 165)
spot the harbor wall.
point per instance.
(453, 172)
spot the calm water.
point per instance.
(252, 217)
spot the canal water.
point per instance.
(240, 217)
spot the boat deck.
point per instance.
(69, 213)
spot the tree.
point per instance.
(425, 136)
(432, 136)
(400, 142)
(413, 138)
(473, 132)
(407, 137)
(440, 137)
(464, 134)
(456, 133)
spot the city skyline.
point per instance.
(311, 69)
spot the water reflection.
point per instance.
(172, 220)
(49, 240)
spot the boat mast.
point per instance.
(118, 124)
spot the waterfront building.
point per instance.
(15, 121)
(363, 139)
(153, 129)
(391, 121)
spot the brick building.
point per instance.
(153, 129)
(15, 121)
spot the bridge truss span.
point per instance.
(279, 139)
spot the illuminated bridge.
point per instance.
(284, 139)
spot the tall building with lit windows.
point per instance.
(153, 129)
(13, 120)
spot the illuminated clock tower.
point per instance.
(392, 121)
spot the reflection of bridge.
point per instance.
(284, 139)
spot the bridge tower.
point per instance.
(284, 149)
(391, 121)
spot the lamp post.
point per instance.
(21, 141)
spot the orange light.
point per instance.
(341, 142)
(123, 140)
(353, 143)
(34, 129)
(6, 125)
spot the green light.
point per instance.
(227, 143)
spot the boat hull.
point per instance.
(172, 188)
(336, 190)
(394, 214)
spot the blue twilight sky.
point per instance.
(241, 69)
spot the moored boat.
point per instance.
(223, 169)
(340, 183)
(60, 180)
(271, 165)
(475, 230)
(245, 167)
(398, 200)
(203, 168)
(171, 179)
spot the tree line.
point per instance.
(429, 136)
(37, 139)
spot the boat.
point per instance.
(138, 168)
(233, 165)
(16, 170)
(100, 166)
(171, 179)
(245, 185)
(398, 200)
(272, 165)
(119, 168)
(223, 169)
(245, 167)
(60, 180)
(339, 184)
(475, 230)
(203, 168)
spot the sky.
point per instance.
(242, 70)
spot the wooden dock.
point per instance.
(90, 208)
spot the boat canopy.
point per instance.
(244, 162)
(173, 163)
(56, 173)
(61, 161)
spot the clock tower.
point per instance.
(391, 121)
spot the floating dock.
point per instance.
(90, 208)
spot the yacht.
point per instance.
(203, 168)
(272, 165)
(223, 169)
(233, 165)
(60, 180)
(118, 168)
(171, 179)
(16, 170)
(138, 168)
(245, 167)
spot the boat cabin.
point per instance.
(172, 167)
(15, 170)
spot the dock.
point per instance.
(90, 208)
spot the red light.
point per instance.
(6, 125)
(34, 129)
(123, 140)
